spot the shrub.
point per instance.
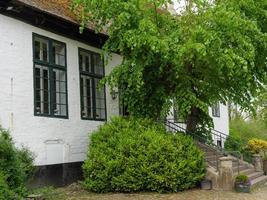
(129, 155)
(257, 146)
(233, 142)
(26, 159)
(247, 130)
(237, 141)
(15, 165)
(5, 192)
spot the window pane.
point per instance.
(100, 101)
(98, 64)
(42, 86)
(59, 93)
(41, 49)
(58, 54)
(60, 110)
(216, 110)
(86, 97)
(59, 78)
(100, 114)
(100, 93)
(85, 62)
(63, 110)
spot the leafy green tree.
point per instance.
(212, 51)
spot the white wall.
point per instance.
(221, 123)
(53, 140)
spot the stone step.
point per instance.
(258, 181)
(212, 164)
(212, 153)
(241, 168)
(214, 160)
(211, 156)
(208, 150)
(247, 171)
(254, 175)
(235, 164)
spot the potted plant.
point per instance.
(258, 147)
(242, 183)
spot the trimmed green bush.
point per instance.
(16, 165)
(130, 155)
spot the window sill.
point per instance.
(91, 119)
(50, 116)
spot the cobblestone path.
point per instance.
(75, 193)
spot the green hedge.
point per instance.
(16, 165)
(129, 155)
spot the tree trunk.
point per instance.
(192, 120)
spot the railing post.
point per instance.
(221, 141)
(257, 162)
(217, 162)
(226, 173)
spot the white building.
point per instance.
(49, 74)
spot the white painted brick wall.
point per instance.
(221, 123)
(17, 100)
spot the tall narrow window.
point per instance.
(216, 110)
(50, 78)
(93, 99)
(177, 117)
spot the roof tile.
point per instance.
(60, 8)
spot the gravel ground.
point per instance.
(74, 192)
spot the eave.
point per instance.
(52, 23)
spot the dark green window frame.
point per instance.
(50, 71)
(91, 111)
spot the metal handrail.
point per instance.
(215, 133)
(215, 148)
(183, 130)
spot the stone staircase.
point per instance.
(212, 157)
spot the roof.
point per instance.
(58, 8)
